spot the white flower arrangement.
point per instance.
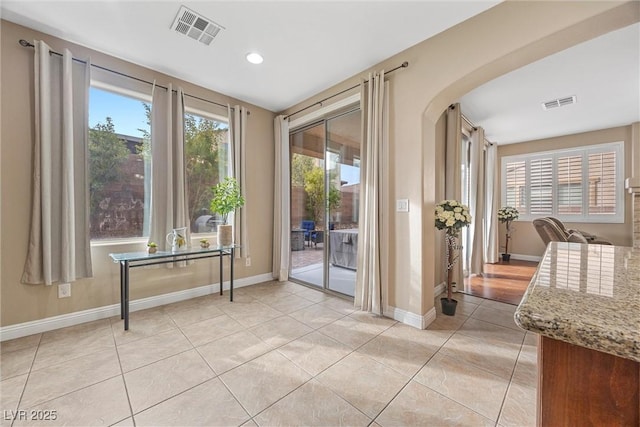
(507, 213)
(452, 215)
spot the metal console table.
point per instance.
(140, 259)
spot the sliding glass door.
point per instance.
(325, 196)
(307, 204)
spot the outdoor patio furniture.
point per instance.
(309, 228)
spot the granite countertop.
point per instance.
(587, 295)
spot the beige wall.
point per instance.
(525, 239)
(22, 303)
(441, 70)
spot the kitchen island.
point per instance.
(584, 302)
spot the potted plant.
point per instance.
(152, 248)
(204, 243)
(226, 199)
(451, 216)
(507, 214)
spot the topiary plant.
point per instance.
(226, 198)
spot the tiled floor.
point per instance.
(281, 354)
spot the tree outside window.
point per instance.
(119, 167)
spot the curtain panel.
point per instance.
(453, 168)
(369, 295)
(59, 247)
(476, 202)
(281, 201)
(491, 205)
(238, 116)
(169, 205)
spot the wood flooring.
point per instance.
(503, 281)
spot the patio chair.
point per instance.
(310, 233)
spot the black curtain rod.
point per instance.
(405, 64)
(25, 43)
(473, 126)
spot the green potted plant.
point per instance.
(152, 247)
(507, 214)
(204, 243)
(451, 216)
(226, 199)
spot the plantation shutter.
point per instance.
(602, 183)
(515, 181)
(569, 185)
(541, 188)
(582, 184)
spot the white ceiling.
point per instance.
(311, 45)
(603, 73)
(308, 46)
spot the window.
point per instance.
(120, 167)
(577, 185)
(118, 172)
(207, 162)
(514, 188)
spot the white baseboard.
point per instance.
(411, 319)
(526, 257)
(440, 288)
(64, 320)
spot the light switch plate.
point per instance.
(402, 205)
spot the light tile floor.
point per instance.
(281, 354)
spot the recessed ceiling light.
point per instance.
(254, 58)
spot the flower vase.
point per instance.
(225, 235)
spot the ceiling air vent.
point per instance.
(560, 102)
(196, 26)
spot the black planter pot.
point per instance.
(448, 306)
(506, 257)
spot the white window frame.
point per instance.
(140, 96)
(584, 151)
(146, 97)
(195, 236)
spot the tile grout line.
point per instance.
(124, 381)
(26, 381)
(312, 377)
(504, 399)
(414, 375)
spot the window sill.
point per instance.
(195, 240)
(119, 242)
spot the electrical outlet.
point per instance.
(247, 262)
(64, 290)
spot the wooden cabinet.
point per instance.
(578, 386)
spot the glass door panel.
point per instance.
(307, 205)
(342, 185)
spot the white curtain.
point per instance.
(281, 201)
(374, 105)
(59, 248)
(169, 204)
(476, 202)
(491, 205)
(237, 136)
(453, 176)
